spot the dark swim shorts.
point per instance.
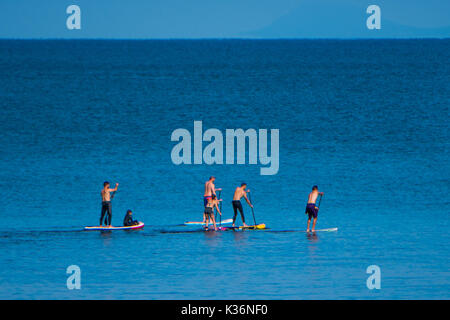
(311, 210)
(209, 211)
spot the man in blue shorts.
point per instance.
(311, 208)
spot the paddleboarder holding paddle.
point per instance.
(106, 203)
(210, 190)
(237, 205)
(311, 209)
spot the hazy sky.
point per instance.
(186, 18)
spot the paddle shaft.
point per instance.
(220, 208)
(253, 212)
(320, 200)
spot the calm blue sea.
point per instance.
(367, 121)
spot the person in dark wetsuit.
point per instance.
(237, 205)
(128, 220)
(106, 203)
(311, 209)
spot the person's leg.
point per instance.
(235, 213)
(315, 219)
(316, 211)
(214, 221)
(109, 214)
(205, 202)
(207, 221)
(241, 210)
(102, 214)
(309, 221)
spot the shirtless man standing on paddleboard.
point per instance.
(237, 205)
(210, 189)
(106, 203)
(311, 208)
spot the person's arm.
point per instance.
(217, 207)
(115, 189)
(246, 199)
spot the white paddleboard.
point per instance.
(104, 228)
(199, 223)
(325, 230)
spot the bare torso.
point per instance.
(239, 193)
(209, 189)
(212, 203)
(313, 196)
(106, 194)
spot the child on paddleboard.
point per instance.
(128, 220)
(209, 211)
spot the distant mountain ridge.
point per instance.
(326, 19)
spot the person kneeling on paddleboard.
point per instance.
(209, 211)
(237, 205)
(128, 220)
(311, 209)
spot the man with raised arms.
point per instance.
(210, 189)
(237, 205)
(311, 208)
(106, 203)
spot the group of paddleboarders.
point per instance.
(106, 212)
(210, 202)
